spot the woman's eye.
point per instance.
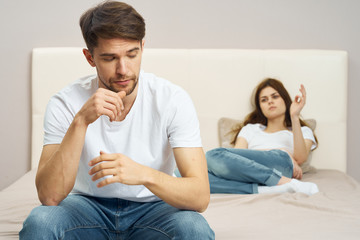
(263, 100)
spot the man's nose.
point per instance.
(121, 67)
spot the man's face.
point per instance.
(117, 63)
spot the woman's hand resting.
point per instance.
(297, 171)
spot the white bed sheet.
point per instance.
(332, 214)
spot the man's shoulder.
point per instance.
(160, 86)
(75, 94)
(79, 87)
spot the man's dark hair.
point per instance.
(111, 19)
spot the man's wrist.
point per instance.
(79, 121)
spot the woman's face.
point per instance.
(271, 103)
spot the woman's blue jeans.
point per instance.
(83, 217)
(234, 170)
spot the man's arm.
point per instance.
(191, 191)
(58, 166)
(59, 163)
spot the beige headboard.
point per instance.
(220, 82)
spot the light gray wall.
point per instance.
(281, 24)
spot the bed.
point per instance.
(220, 82)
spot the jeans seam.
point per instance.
(154, 229)
(83, 227)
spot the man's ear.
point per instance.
(89, 57)
(142, 44)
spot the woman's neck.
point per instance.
(275, 125)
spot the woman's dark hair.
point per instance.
(111, 19)
(257, 116)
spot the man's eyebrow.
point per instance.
(133, 49)
(107, 54)
(113, 54)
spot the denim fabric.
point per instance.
(83, 217)
(233, 170)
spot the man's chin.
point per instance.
(127, 90)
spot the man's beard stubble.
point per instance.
(109, 87)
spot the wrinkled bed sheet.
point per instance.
(333, 213)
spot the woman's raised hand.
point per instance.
(298, 103)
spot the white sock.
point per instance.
(275, 189)
(292, 187)
(308, 188)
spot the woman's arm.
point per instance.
(241, 143)
(302, 147)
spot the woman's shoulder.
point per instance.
(254, 126)
(307, 130)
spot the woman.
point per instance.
(270, 146)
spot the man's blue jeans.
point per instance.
(83, 217)
(233, 170)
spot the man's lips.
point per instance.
(122, 82)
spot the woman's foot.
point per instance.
(308, 188)
(292, 187)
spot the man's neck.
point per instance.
(128, 102)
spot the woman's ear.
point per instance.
(89, 57)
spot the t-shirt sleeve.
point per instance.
(183, 125)
(308, 134)
(57, 120)
(247, 132)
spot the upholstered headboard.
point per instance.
(220, 82)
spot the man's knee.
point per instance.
(192, 225)
(40, 222)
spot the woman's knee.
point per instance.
(214, 152)
(214, 156)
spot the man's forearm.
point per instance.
(59, 165)
(191, 193)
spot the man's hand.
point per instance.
(102, 102)
(118, 168)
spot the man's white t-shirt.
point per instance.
(258, 139)
(162, 117)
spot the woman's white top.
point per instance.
(258, 139)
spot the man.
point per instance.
(112, 141)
